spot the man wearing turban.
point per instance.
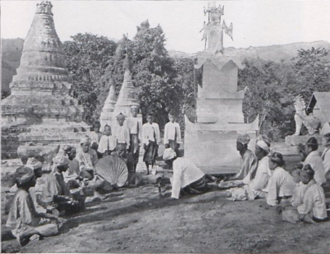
(249, 160)
(23, 218)
(56, 191)
(255, 181)
(87, 159)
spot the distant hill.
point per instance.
(275, 53)
(11, 56)
(12, 51)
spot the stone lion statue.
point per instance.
(312, 123)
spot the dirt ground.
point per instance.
(140, 220)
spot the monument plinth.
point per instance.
(40, 108)
(211, 141)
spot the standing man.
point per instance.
(135, 129)
(172, 134)
(122, 136)
(151, 140)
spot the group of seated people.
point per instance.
(302, 190)
(262, 175)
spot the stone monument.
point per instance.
(128, 96)
(107, 115)
(313, 117)
(211, 141)
(40, 109)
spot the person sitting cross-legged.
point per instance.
(313, 204)
(314, 159)
(56, 192)
(26, 222)
(281, 184)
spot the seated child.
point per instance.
(313, 204)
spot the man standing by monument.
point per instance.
(151, 140)
(172, 134)
(135, 129)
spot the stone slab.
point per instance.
(295, 140)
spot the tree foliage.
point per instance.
(87, 58)
(272, 87)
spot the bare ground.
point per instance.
(140, 220)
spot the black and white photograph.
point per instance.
(165, 126)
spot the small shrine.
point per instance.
(211, 141)
(40, 108)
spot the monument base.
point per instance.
(295, 140)
(213, 147)
(51, 133)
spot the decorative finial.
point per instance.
(127, 62)
(45, 7)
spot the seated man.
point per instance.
(255, 181)
(299, 190)
(56, 191)
(249, 160)
(314, 159)
(72, 175)
(313, 204)
(87, 159)
(23, 217)
(187, 177)
(281, 184)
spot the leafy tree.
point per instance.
(312, 71)
(87, 58)
(153, 71)
(267, 96)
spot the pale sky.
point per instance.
(256, 23)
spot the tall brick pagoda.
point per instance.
(40, 109)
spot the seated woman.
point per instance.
(56, 191)
(107, 142)
(187, 177)
(281, 184)
(23, 217)
(313, 204)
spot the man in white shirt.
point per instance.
(187, 177)
(135, 130)
(122, 136)
(314, 200)
(151, 140)
(95, 136)
(172, 134)
(107, 142)
(314, 159)
(326, 153)
(87, 159)
(281, 184)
